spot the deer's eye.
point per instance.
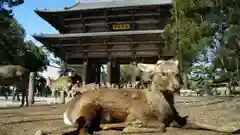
(163, 74)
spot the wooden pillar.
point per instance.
(102, 76)
(133, 69)
(62, 97)
(84, 72)
(97, 73)
(118, 74)
(115, 76)
(31, 88)
(62, 93)
(91, 72)
(109, 67)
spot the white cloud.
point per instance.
(29, 37)
(50, 72)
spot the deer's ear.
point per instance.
(176, 62)
(160, 62)
(151, 75)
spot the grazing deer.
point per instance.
(18, 75)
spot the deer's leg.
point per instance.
(68, 95)
(26, 96)
(132, 122)
(137, 127)
(114, 125)
(140, 123)
(23, 97)
(52, 96)
(89, 119)
(181, 121)
(22, 100)
(141, 126)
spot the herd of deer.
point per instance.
(134, 111)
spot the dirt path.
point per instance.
(25, 121)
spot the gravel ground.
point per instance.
(48, 118)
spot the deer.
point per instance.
(63, 83)
(17, 75)
(145, 111)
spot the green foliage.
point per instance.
(203, 27)
(192, 32)
(224, 18)
(33, 57)
(13, 48)
(125, 74)
(12, 3)
(11, 38)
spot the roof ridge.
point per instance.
(108, 4)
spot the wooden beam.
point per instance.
(106, 20)
(159, 17)
(109, 50)
(160, 49)
(125, 55)
(83, 23)
(133, 47)
(80, 41)
(110, 43)
(103, 23)
(111, 16)
(133, 24)
(61, 23)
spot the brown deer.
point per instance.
(63, 83)
(149, 110)
(18, 75)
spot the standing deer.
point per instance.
(18, 75)
(63, 83)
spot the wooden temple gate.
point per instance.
(112, 33)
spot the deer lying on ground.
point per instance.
(18, 75)
(79, 89)
(149, 110)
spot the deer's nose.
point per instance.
(176, 86)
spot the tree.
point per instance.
(125, 74)
(205, 25)
(224, 18)
(189, 39)
(11, 38)
(11, 3)
(14, 50)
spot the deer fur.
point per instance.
(79, 89)
(148, 110)
(63, 83)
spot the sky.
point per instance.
(33, 24)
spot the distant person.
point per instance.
(15, 93)
(3, 91)
(48, 83)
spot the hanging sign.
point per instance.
(121, 26)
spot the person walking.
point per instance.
(3, 90)
(15, 93)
